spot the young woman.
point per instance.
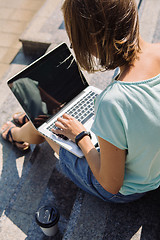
(105, 35)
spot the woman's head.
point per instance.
(107, 29)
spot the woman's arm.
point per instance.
(108, 165)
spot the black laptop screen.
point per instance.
(46, 85)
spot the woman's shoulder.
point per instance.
(112, 94)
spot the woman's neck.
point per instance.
(145, 66)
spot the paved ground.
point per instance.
(14, 18)
(32, 180)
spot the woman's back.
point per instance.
(128, 116)
(129, 113)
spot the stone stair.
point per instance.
(46, 28)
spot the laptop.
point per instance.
(51, 86)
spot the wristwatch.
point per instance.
(81, 135)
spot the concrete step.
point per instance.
(45, 29)
(149, 20)
(97, 220)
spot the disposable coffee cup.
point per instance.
(47, 218)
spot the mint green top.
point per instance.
(127, 114)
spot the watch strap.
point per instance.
(81, 135)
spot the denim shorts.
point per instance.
(78, 170)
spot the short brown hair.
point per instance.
(108, 29)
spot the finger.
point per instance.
(59, 125)
(62, 120)
(56, 131)
(66, 116)
(59, 132)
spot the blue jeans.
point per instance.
(78, 170)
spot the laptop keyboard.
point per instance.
(82, 110)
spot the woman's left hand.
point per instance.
(68, 126)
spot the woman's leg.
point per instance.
(27, 133)
(53, 145)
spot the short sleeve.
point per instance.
(109, 122)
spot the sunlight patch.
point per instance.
(19, 164)
(13, 232)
